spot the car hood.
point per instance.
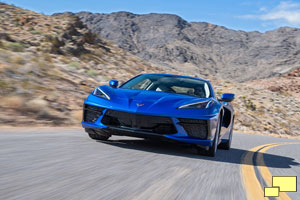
(144, 101)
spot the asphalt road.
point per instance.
(67, 164)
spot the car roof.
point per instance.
(175, 75)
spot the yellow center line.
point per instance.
(250, 181)
(264, 171)
(251, 184)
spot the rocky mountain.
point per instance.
(289, 84)
(49, 65)
(170, 41)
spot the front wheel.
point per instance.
(226, 145)
(213, 149)
(96, 135)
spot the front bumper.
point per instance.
(96, 122)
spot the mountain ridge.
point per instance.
(170, 41)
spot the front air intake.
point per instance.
(91, 113)
(196, 128)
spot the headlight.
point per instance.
(99, 93)
(197, 105)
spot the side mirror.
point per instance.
(113, 83)
(228, 97)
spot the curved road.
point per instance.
(57, 163)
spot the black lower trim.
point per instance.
(132, 133)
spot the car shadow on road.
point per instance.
(233, 155)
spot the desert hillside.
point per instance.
(288, 84)
(170, 41)
(49, 64)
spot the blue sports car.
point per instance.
(161, 106)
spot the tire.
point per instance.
(97, 136)
(226, 145)
(213, 149)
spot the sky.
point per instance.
(247, 15)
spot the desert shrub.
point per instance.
(65, 59)
(6, 88)
(278, 110)
(47, 57)
(34, 59)
(250, 105)
(56, 43)
(57, 27)
(17, 19)
(15, 46)
(91, 72)
(45, 66)
(87, 57)
(36, 32)
(32, 86)
(98, 52)
(17, 60)
(219, 92)
(59, 31)
(75, 65)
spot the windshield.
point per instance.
(169, 84)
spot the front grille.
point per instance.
(195, 127)
(91, 113)
(154, 124)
